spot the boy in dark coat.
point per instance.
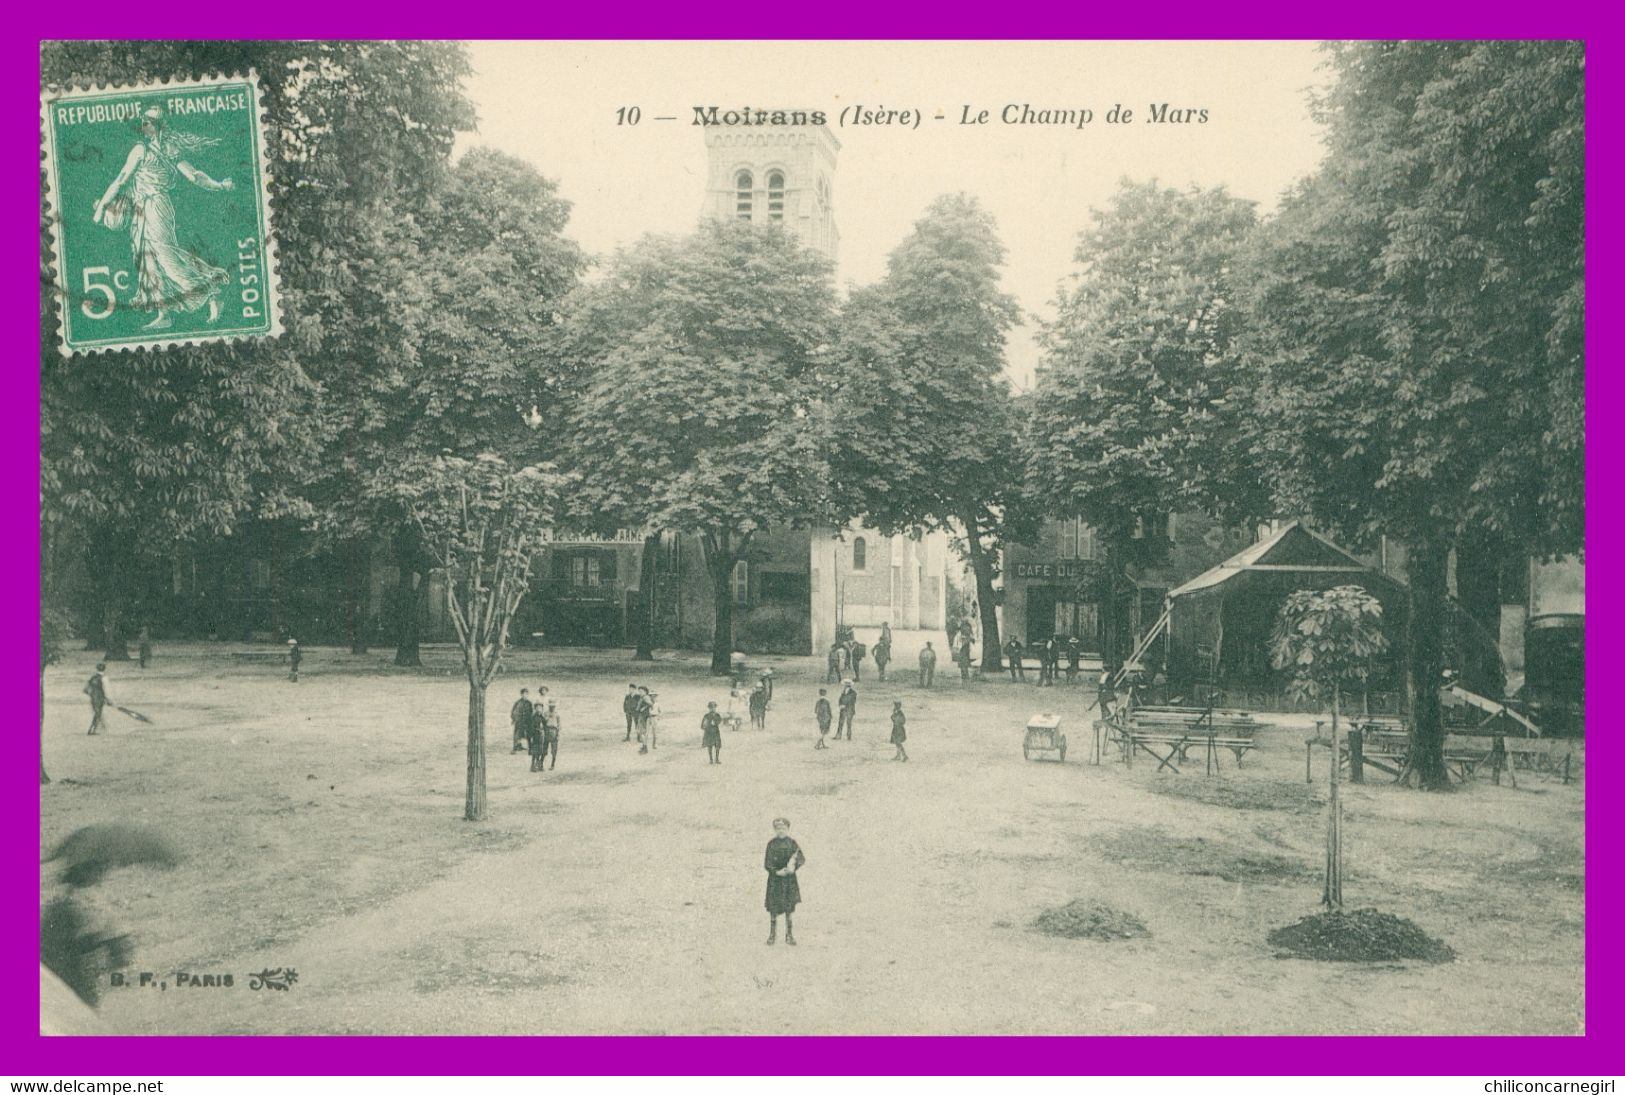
(899, 733)
(520, 714)
(711, 733)
(821, 712)
(782, 861)
(630, 705)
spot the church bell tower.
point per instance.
(766, 174)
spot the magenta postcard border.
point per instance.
(26, 1053)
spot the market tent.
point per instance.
(1220, 622)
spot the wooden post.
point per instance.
(1357, 755)
(1309, 760)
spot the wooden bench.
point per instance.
(1385, 744)
(1175, 731)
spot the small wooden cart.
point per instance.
(1044, 736)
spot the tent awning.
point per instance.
(1294, 548)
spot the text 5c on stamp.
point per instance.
(160, 215)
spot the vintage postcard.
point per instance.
(1080, 538)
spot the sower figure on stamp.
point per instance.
(782, 861)
(822, 713)
(168, 277)
(96, 689)
(711, 733)
(520, 714)
(928, 666)
(849, 710)
(630, 705)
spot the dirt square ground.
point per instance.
(321, 824)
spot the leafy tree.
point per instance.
(481, 519)
(693, 405)
(1417, 320)
(1135, 413)
(455, 358)
(143, 451)
(925, 424)
(1324, 640)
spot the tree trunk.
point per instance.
(409, 559)
(646, 599)
(1429, 601)
(474, 809)
(981, 565)
(720, 557)
(43, 778)
(360, 571)
(1332, 895)
(110, 573)
(1111, 628)
(1478, 588)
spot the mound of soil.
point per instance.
(1364, 935)
(1089, 920)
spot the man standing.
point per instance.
(883, 650)
(1048, 658)
(1074, 649)
(295, 656)
(962, 656)
(849, 710)
(859, 652)
(928, 665)
(629, 705)
(1012, 651)
(651, 723)
(96, 689)
(640, 718)
(144, 646)
(822, 713)
(520, 714)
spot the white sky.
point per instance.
(553, 104)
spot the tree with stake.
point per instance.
(482, 520)
(1323, 640)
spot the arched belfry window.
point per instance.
(860, 554)
(743, 184)
(775, 195)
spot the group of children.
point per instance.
(848, 704)
(536, 728)
(642, 709)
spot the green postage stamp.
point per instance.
(160, 214)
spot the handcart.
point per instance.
(1044, 736)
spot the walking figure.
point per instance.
(96, 689)
(629, 705)
(928, 665)
(520, 714)
(758, 708)
(782, 861)
(651, 723)
(295, 656)
(1012, 650)
(711, 734)
(551, 725)
(899, 732)
(144, 649)
(821, 712)
(837, 663)
(849, 710)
